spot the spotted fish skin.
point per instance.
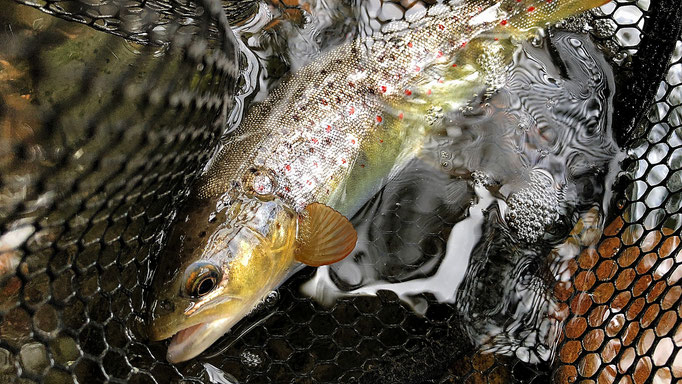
(343, 111)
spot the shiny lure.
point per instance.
(280, 191)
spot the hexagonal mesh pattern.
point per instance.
(148, 21)
(625, 324)
(98, 137)
(96, 153)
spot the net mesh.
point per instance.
(624, 299)
(101, 136)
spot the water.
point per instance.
(217, 376)
(493, 194)
(513, 174)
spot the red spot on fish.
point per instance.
(531, 8)
(417, 68)
(400, 115)
(549, 1)
(428, 92)
(261, 188)
(315, 163)
(287, 189)
(343, 161)
(329, 128)
(308, 182)
(352, 141)
(497, 39)
(464, 44)
(518, 1)
(454, 65)
(314, 140)
(287, 167)
(441, 27)
(441, 80)
(439, 54)
(503, 22)
(408, 92)
(383, 88)
(351, 111)
(409, 44)
(379, 119)
(381, 140)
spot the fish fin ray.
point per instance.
(325, 236)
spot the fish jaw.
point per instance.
(190, 342)
(171, 324)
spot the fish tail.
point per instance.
(526, 14)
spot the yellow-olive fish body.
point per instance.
(281, 188)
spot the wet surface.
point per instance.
(539, 145)
(616, 304)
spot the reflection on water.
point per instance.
(510, 175)
(280, 39)
(217, 376)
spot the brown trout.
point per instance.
(281, 188)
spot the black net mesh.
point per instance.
(150, 21)
(101, 136)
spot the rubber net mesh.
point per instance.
(101, 135)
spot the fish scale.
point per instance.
(323, 118)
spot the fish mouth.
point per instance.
(191, 341)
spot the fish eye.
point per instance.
(201, 279)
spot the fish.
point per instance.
(280, 190)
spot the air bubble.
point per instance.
(250, 359)
(533, 208)
(526, 122)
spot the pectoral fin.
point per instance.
(325, 236)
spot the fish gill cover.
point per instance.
(101, 137)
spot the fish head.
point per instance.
(214, 272)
